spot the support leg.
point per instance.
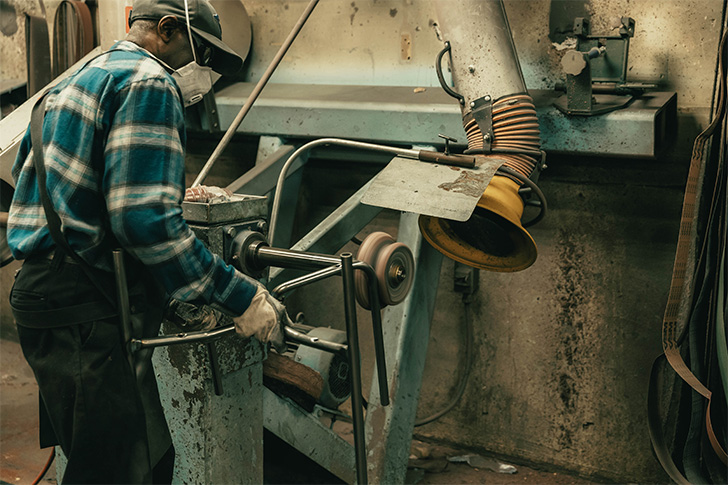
(406, 335)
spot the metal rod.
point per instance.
(122, 298)
(182, 338)
(295, 283)
(266, 255)
(315, 342)
(215, 368)
(376, 312)
(256, 92)
(352, 336)
(402, 152)
(288, 258)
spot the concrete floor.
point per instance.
(22, 460)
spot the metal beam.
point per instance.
(401, 115)
(307, 434)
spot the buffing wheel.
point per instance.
(394, 266)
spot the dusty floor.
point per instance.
(22, 460)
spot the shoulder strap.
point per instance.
(54, 221)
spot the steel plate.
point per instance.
(431, 189)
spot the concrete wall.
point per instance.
(563, 349)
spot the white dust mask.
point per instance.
(194, 80)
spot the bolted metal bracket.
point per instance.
(466, 279)
(482, 112)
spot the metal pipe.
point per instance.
(209, 336)
(215, 371)
(182, 338)
(352, 335)
(402, 152)
(256, 92)
(295, 283)
(122, 298)
(288, 258)
(483, 54)
(268, 256)
(317, 343)
(376, 312)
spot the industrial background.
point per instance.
(558, 356)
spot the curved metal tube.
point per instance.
(317, 343)
(441, 77)
(535, 188)
(182, 338)
(403, 152)
(304, 280)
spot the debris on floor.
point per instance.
(477, 461)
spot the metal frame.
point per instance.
(388, 428)
(327, 266)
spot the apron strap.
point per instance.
(54, 220)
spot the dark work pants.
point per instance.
(89, 394)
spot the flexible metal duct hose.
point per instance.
(515, 128)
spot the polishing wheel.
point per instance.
(393, 264)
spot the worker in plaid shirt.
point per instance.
(113, 150)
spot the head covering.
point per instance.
(204, 22)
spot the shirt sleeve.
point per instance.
(143, 187)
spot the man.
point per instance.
(111, 174)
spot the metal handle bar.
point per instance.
(441, 77)
(329, 266)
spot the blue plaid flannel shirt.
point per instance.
(113, 141)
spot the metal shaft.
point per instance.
(256, 92)
(268, 256)
(378, 332)
(287, 258)
(352, 335)
(122, 298)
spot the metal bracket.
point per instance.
(600, 59)
(482, 112)
(209, 117)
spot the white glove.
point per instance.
(264, 319)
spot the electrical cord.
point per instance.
(46, 467)
(466, 372)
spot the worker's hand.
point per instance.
(264, 319)
(192, 318)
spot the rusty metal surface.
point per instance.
(217, 439)
(305, 432)
(240, 207)
(431, 189)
